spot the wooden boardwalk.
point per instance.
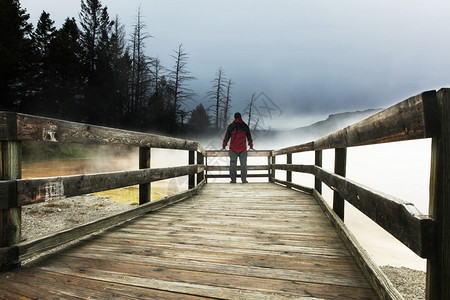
(232, 241)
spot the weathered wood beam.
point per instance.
(438, 265)
(340, 168)
(318, 162)
(238, 175)
(191, 161)
(225, 153)
(144, 163)
(200, 162)
(11, 216)
(32, 128)
(399, 218)
(42, 189)
(289, 162)
(413, 118)
(227, 168)
(294, 185)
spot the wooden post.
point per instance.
(318, 162)
(10, 219)
(271, 161)
(340, 163)
(289, 162)
(200, 161)
(144, 163)
(191, 183)
(438, 267)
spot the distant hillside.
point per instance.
(316, 130)
(333, 123)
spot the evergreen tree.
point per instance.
(65, 72)
(43, 34)
(15, 52)
(42, 37)
(95, 40)
(199, 121)
(121, 65)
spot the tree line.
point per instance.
(92, 71)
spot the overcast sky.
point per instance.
(304, 58)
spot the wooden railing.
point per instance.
(424, 116)
(213, 167)
(16, 192)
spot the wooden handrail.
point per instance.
(22, 127)
(16, 192)
(413, 118)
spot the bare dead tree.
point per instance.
(227, 104)
(249, 108)
(140, 71)
(180, 76)
(217, 96)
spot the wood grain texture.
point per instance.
(43, 189)
(438, 267)
(413, 118)
(222, 153)
(240, 241)
(33, 128)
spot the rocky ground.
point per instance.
(45, 218)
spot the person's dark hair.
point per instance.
(237, 115)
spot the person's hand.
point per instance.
(251, 148)
(223, 149)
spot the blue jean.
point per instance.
(233, 165)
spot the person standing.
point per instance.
(239, 133)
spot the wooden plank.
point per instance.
(55, 284)
(264, 241)
(43, 189)
(28, 249)
(412, 118)
(204, 284)
(238, 175)
(225, 153)
(293, 185)
(33, 128)
(227, 168)
(295, 149)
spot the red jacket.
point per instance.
(239, 132)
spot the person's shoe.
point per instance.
(232, 181)
(245, 181)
